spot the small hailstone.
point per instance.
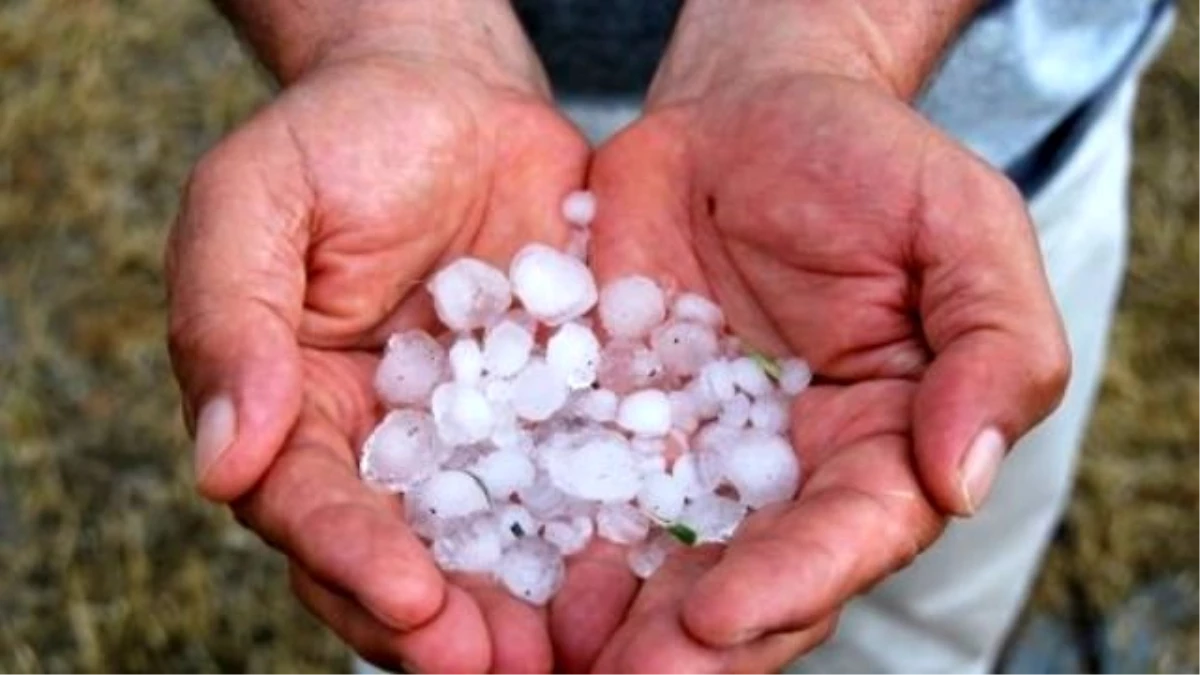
(645, 413)
(569, 535)
(716, 381)
(601, 468)
(598, 405)
(506, 348)
(411, 367)
(514, 522)
(475, 547)
(402, 451)
(626, 366)
(532, 570)
(651, 464)
(462, 414)
(750, 378)
(579, 208)
(684, 347)
(621, 523)
(661, 497)
(702, 399)
(712, 517)
(735, 412)
(698, 309)
(763, 468)
(769, 414)
(552, 286)
(539, 391)
(466, 361)
(469, 293)
(646, 557)
(794, 376)
(503, 472)
(631, 307)
(450, 494)
(686, 472)
(574, 352)
(543, 499)
(683, 411)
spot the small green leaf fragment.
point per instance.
(683, 533)
(769, 366)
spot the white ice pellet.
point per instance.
(750, 378)
(543, 499)
(503, 472)
(661, 497)
(506, 348)
(631, 307)
(645, 413)
(466, 361)
(684, 415)
(621, 523)
(574, 352)
(539, 391)
(531, 569)
(684, 347)
(474, 547)
(469, 293)
(647, 556)
(514, 522)
(598, 405)
(552, 286)
(402, 451)
(715, 382)
(599, 468)
(735, 412)
(770, 414)
(412, 365)
(698, 309)
(450, 494)
(763, 468)
(579, 208)
(626, 366)
(569, 535)
(462, 414)
(795, 374)
(712, 517)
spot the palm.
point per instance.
(819, 214)
(375, 173)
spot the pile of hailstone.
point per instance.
(527, 429)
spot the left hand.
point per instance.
(832, 222)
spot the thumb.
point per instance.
(1001, 360)
(235, 279)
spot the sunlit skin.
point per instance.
(825, 216)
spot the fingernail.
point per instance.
(214, 433)
(978, 469)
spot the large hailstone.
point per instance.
(469, 293)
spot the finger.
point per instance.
(520, 643)
(860, 515)
(454, 641)
(313, 506)
(235, 273)
(653, 640)
(591, 604)
(1001, 360)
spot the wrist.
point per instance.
(480, 36)
(890, 45)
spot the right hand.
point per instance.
(303, 242)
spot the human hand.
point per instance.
(832, 222)
(303, 242)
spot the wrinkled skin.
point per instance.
(303, 242)
(831, 222)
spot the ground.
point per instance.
(108, 559)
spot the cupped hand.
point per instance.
(304, 241)
(831, 222)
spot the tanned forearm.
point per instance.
(891, 43)
(291, 36)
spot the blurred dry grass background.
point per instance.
(108, 560)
